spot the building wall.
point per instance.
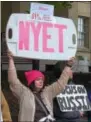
(15, 7)
(6, 9)
(24, 6)
(90, 32)
(82, 9)
(73, 13)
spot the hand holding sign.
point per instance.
(10, 55)
(71, 62)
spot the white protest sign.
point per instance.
(74, 98)
(41, 39)
(43, 9)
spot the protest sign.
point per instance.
(43, 9)
(74, 98)
(41, 39)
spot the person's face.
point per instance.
(39, 83)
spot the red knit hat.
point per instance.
(33, 75)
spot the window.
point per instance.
(83, 32)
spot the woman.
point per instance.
(5, 113)
(36, 101)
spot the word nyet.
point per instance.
(28, 29)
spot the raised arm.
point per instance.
(60, 84)
(15, 85)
